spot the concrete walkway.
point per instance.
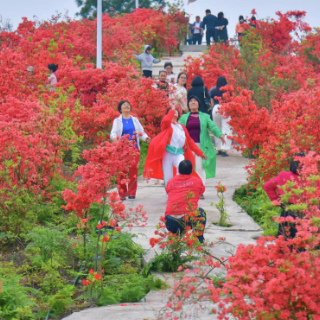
(231, 173)
(152, 195)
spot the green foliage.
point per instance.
(122, 255)
(257, 204)
(259, 77)
(15, 299)
(22, 209)
(168, 262)
(143, 156)
(218, 279)
(175, 254)
(59, 301)
(89, 7)
(124, 288)
(48, 243)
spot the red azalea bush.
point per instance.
(273, 279)
(272, 99)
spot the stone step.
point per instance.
(193, 48)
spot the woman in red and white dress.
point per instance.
(169, 148)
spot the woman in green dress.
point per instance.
(198, 124)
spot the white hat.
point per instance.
(30, 68)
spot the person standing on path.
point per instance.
(128, 125)
(197, 31)
(147, 60)
(172, 145)
(201, 92)
(209, 22)
(221, 122)
(180, 92)
(171, 77)
(221, 27)
(198, 125)
(182, 210)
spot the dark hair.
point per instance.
(179, 75)
(197, 17)
(185, 167)
(175, 110)
(168, 64)
(221, 82)
(241, 18)
(253, 18)
(197, 82)
(208, 11)
(220, 15)
(121, 103)
(193, 97)
(295, 164)
(53, 67)
(164, 71)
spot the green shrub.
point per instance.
(257, 204)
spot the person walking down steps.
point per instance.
(198, 125)
(147, 60)
(172, 145)
(127, 125)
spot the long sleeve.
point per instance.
(203, 188)
(270, 188)
(138, 57)
(204, 22)
(114, 130)
(155, 60)
(206, 92)
(183, 119)
(189, 94)
(194, 148)
(214, 128)
(140, 129)
(166, 121)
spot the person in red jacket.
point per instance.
(184, 191)
(172, 145)
(274, 192)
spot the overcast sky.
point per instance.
(44, 9)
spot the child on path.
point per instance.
(163, 84)
(147, 60)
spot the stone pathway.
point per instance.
(231, 173)
(152, 195)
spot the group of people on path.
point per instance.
(216, 28)
(182, 155)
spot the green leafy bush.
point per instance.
(257, 204)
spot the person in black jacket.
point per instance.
(209, 22)
(221, 27)
(216, 92)
(200, 91)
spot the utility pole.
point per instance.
(99, 34)
(137, 4)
